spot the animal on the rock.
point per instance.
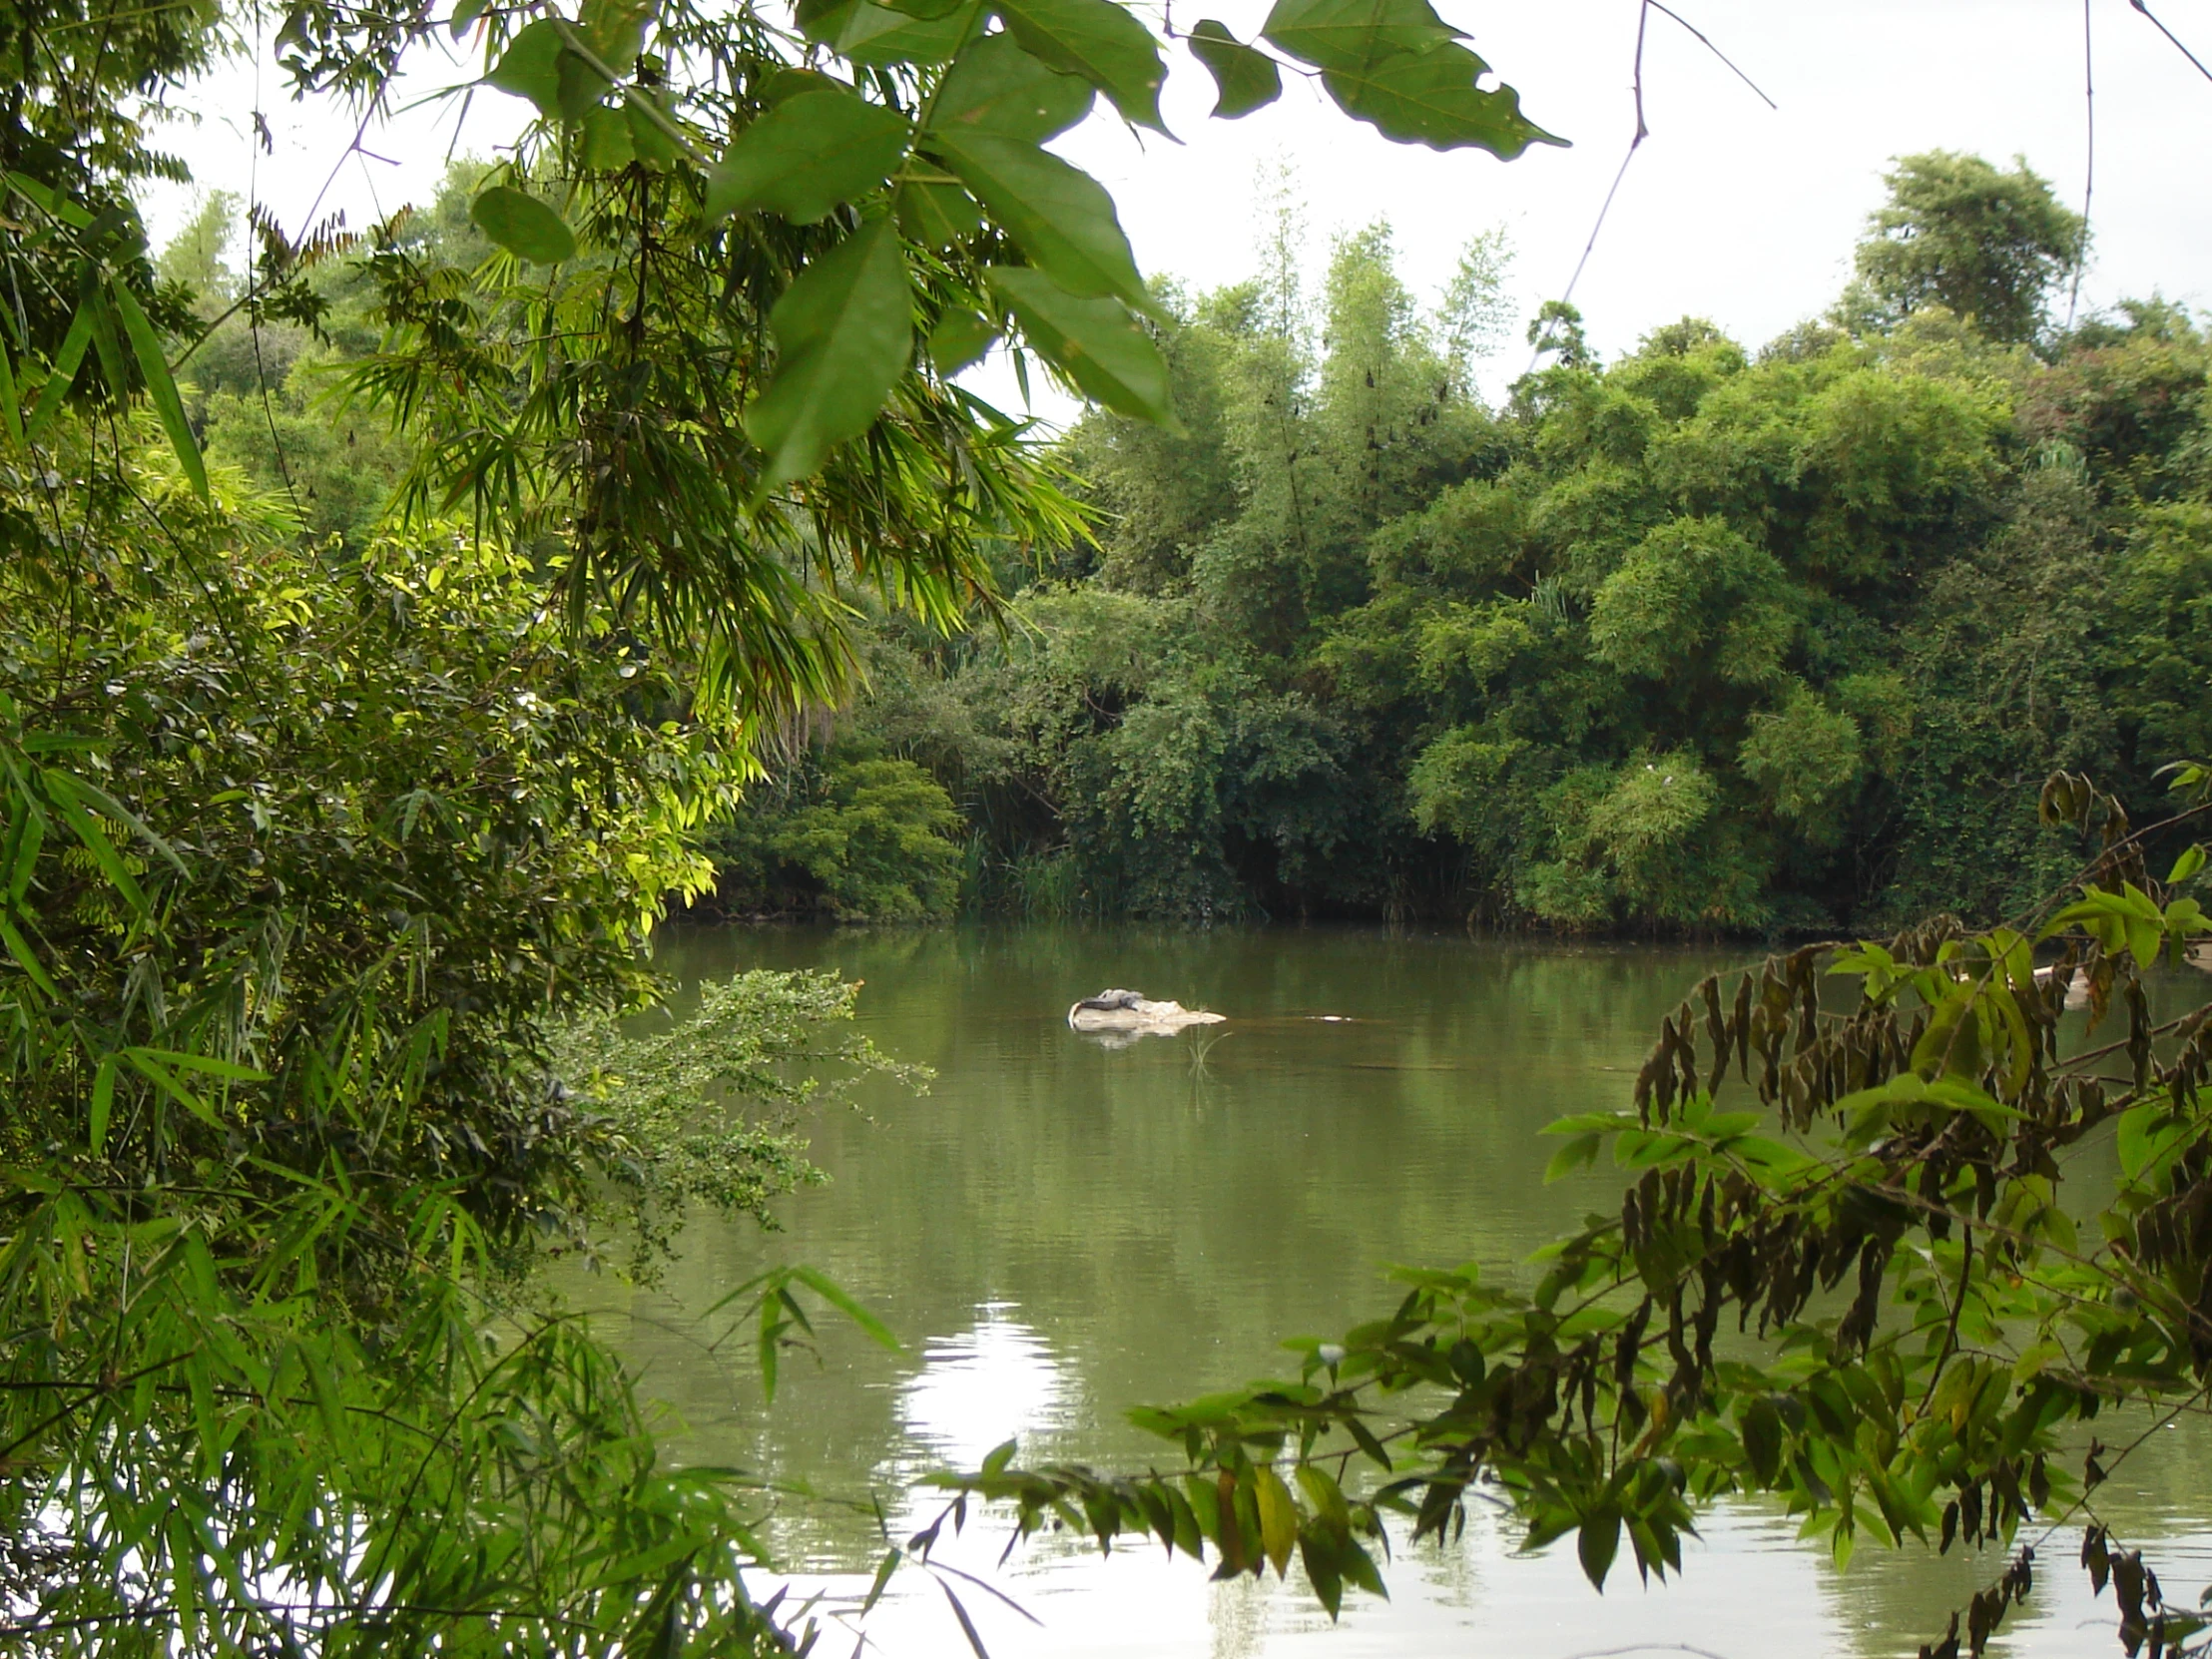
(1106, 1000)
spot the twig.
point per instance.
(2090, 170)
(2170, 35)
(1643, 131)
(1958, 1306)
(1717, 52)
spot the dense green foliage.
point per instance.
(349, 749)
(1701, 640)
(333, 826)
(312, 871)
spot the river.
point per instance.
(1060, 1230)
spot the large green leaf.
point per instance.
(1095, 343)
(959, 339)
(1098, 40)
(580, 86)
(807, 155)
(1435, 98)
(844, 332)
(1245, 78)
(1062, 218)
(539, 63)
(871, 34)
(523, 225)
(615, 30)
(1353, 34)
(937, 214)
(531, 66)
(161, 386)
(997, 87)
(651, 141)
(608, 141)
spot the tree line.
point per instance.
(1706, 639)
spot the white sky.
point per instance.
(1731, 210)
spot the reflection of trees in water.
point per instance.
(1052, 1205)
(1237, 1617)
(1162, 1250)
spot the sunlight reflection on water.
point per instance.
(977, 1388)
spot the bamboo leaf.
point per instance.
(62, 789)
(883, 1571)
(66, 363)
(28, 839)
(844, 1301)
(143, 1061)
(101, 802)
(968, 1625)
(765, 1347)
(51, 200)
(104, 339)
(161, 386)
(11, 404)
(27, 959)
(226, 1070)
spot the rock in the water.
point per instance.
(1133, 1012)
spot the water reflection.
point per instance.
(1060, 1232)
(994, 1382)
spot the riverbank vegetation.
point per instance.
(1718, 638)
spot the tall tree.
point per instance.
(1957, 233)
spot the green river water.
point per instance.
(1060, 1230)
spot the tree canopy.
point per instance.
(1704, 640)
(1981, 243)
